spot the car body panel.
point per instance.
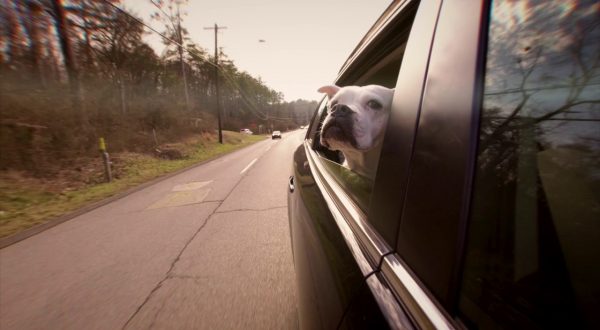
(409, 250)
(390, 188)
(364, 313)
(444, 155)
(329, 233)
(327, 274)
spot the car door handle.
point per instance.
(292, 183)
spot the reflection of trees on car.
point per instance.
(545, 68)
(542, 82)
(538, 166)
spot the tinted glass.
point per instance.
(382, 70)
(314, 123)
(358, 185)
(533, 247)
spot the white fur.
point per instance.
(369, 124)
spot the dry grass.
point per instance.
(26, 201)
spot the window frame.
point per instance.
(364, 240)
(366, 245)
(433, 227)
(373, 50)
(314, 123)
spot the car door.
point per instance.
(325, 270)
(498, 227)
(422, 270)
(531, 251)
(339, 234)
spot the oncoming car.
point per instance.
(276, 135)
(485, 205)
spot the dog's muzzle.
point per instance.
(339, 126)
(341, 110)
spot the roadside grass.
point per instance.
(25, 203)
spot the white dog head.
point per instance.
(356, 117)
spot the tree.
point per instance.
(174, 31)
(90, 18)
(67, 51)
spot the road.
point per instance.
(206, 249)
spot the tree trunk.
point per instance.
(67, 52)
(13, 48)
(180, 49)
(89, 63)
(35, 12)
(52, 65)
(122, 90)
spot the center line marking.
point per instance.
(247, 167)
(269, 147)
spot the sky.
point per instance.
(306, 41)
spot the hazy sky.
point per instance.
(307, 41)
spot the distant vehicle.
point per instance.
(302, 127)
(246, 131)
(276, 135)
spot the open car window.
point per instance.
(381, 69)
(316, 133)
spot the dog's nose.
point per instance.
(340, 110)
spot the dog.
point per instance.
(355, 122)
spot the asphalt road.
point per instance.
(208, 248)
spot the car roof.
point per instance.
(388, 15)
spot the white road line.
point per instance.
(247, 167)
(269, 147)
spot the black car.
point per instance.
(485, 209)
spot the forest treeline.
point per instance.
(76, 70)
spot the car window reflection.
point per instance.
(533, 251)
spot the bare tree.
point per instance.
(172, 20)
(70, 64)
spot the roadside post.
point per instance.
(106, 160)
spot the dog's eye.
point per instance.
(331, 105)
(374, 105)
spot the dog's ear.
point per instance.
(330, 90)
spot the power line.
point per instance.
(141, 22)
(160, 8)
(235, 85)
(248, 101)
(197, 56)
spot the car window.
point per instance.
(311, 132)
(314, 133)
(380, 69)
(533, 244)
(359, 185)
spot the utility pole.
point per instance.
(180, 49)
(216, 28)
